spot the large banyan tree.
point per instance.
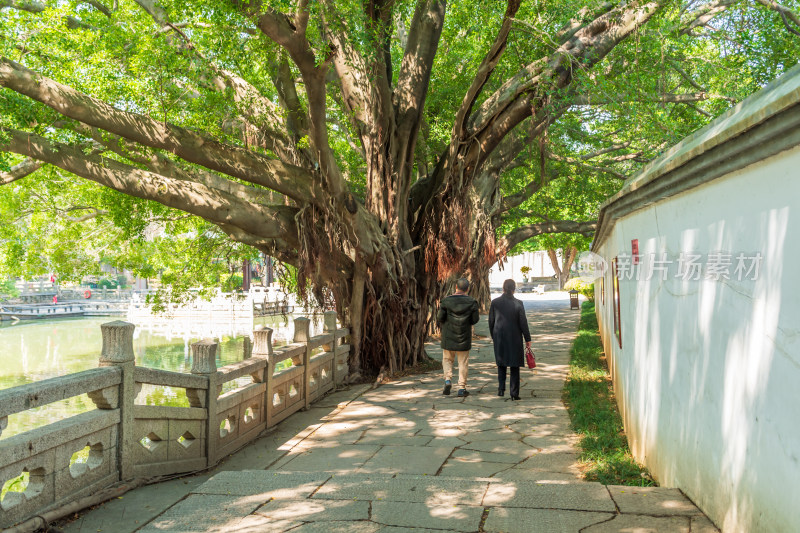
(363, 141)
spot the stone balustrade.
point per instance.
(122, 440)
(235, 305)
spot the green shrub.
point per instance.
(107, 283)
(9, 288)
(233, 283)
(587, 289)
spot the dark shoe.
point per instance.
(516, 398)
(447, 386)
(463, 393)
(501, 392)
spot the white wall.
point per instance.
(708, 376)
(538, 262)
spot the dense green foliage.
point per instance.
(624, 112)
(593, 410)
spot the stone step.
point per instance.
(271, 500)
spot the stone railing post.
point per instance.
(301, 335)
(247, 348)
(262, 347)
(118, 351)
(329, 328)
(204, 363)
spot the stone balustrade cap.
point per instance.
(117, 342)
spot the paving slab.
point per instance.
(535, 428)
(701, 524)
(652, 500)
(504, 446)
(199, 513)
(551, 443)
(394, 438)
(565, 462)
(398, 529)
(444, 442)
(642, 524)
(475, 456)
(136, 508)
(341, 459)
(427, 515)
(519, 474)
(502, 520)
(315, 510)
(575, 496)
(257, 524)
(468, 470)
(406, 460)
(264, 483)
(418, 489)
(339, 527)
(492, 435)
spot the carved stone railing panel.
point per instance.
(121, 440)
(171, 439)
(232, 399)
(24, 397)
(98, 471)
(39, 493)
(45, 454)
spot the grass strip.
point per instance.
(592, 407)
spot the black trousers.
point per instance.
(501, 379)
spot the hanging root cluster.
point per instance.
(321, 277)
(394, 329)
(447, 239)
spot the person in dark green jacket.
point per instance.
(457, 314)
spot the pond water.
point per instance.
(34, 350)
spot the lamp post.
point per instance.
(573, 299)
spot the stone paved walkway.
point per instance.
(405, 458)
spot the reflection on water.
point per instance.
(35, 350)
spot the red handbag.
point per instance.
(529, 357)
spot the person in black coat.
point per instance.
(507, 326)
(457, 314)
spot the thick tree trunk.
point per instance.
(562, 270)
(390, 328)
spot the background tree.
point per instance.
(381, 146)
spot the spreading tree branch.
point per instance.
(282, 29)
(580, 163)
(785, 13)
(31, 6)
(703, 15)
(94, 213)
(485, 69)
(194, 198)
(19, 171)
(523, 233)
(290, 180)
(516, 99)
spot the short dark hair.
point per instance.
(509, 286)
(462, 284)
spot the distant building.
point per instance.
(702, 328)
